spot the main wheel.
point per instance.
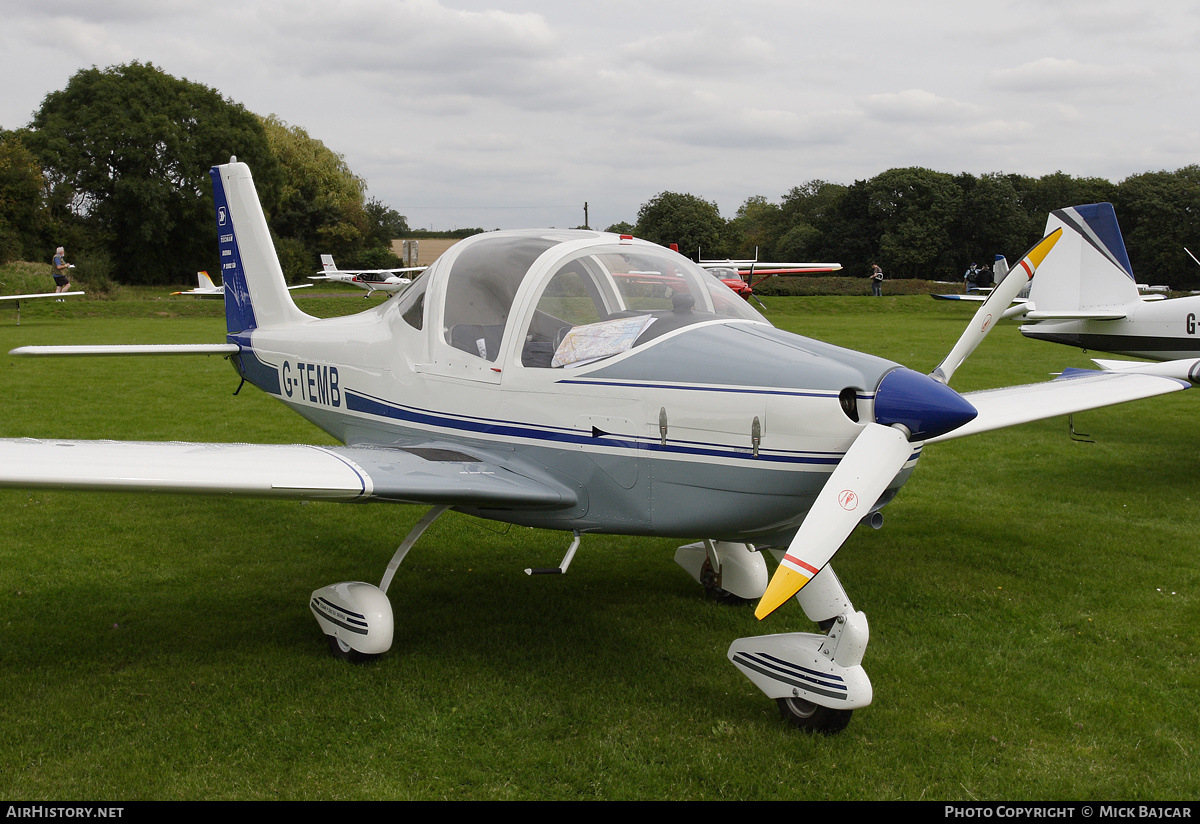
(812, 717)
(708, 579)
(342, 651)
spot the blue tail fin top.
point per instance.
(239, 312)
(1097, 223)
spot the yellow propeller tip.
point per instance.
(1038, 253)
(784, 584)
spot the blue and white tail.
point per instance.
(1089, 268)
(256, 293)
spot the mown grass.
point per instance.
(1033, 606)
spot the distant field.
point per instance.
(1034, 606)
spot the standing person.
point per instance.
(969, 278)
(876, 280)
(61, 283)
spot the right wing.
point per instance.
(429, 473)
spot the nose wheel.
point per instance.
(342, 651)
(810, 717)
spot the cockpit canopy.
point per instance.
(567, 297)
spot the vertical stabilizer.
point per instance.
(327, 264)
(256, 292)
(1089, 268)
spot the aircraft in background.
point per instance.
(578, 381)
(373, 280)
(205, 288)
(739, 275)
(16, 299)
(1086, 295)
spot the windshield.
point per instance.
(608, 299)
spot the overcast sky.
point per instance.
(513, 113)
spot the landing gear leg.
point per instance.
(817, 680)
(356, 617)
(730, 573)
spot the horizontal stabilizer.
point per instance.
(1187, 369)
(1037, 314)
(127, 349)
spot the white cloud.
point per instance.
(916, 106)
(1053, 75)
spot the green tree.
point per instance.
(1160, 218)
(756, 228)
(692, 222)
(321, 201)
(992, 221)
(811, 212)
(622, 228)
(23, 211)
(384, 224)
(916, 209)
(129, 149)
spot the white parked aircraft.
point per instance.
(373, 280)
(1086, 295)
(205, 288)
(531, 377)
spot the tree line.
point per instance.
(115, 167)
(919, 223)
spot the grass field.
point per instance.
(1033, 603)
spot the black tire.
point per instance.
(343, 652)
(810, 717)
(708, 579)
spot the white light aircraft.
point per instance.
(205, 288)
(530, 377)
(1086, 295)
(388, 281)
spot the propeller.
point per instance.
(877, 454)
(995, 305)
(909, 407)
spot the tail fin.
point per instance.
(256, 292)
(203, 281)
(327, 263)
(1089, 268)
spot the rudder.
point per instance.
(1089, 268)
(256, 292)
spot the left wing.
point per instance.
(430, 473)
(1075, 390)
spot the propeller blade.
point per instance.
(869, 465)
(995, 305)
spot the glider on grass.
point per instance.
(205, 288)
(388, 281)
(542, 378)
